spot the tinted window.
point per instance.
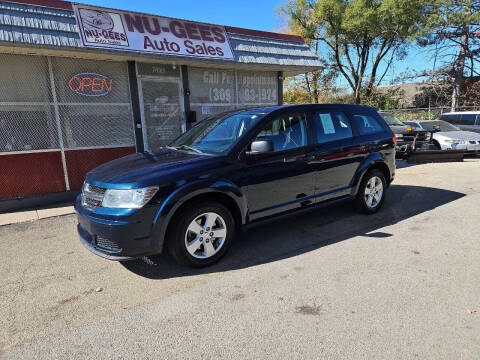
(367, 124)
(391, 119)
(442, 125)
(459, 119)
(331, 126)
(286, 132)
(218, 134)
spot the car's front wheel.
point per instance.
(436, 145)
(201, 234)
(371, 192)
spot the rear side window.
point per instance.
(459, 119)
(367, 124)
(331, 126)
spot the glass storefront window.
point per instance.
(90, 81)
(94, 103)
(258, 88)
(96, 126)
(212, 91)
(92, 100)
(27, 119)
(27, 128)
(24, 79)
(217, 91)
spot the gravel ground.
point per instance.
(404, 283)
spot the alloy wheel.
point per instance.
(205, 235)
(373, 192)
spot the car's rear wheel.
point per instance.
(371, 192)
(201, 234)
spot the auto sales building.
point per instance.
(82, 85)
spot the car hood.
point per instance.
(145, 169)
(457, 135)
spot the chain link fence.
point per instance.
(50, 106)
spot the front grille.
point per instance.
(92, 196)
(108, 244)
(411, 137)
(95, 189)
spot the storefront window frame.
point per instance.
(236, 104)
(55, 104)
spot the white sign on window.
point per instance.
(327, 123)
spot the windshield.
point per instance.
(217, 134)
(444, 126)
(391, 119)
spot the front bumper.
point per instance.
(404, 147)
(468, 148)
(118, 237)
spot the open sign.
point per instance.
(90, 84)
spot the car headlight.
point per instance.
(399, 136)
(455, 141)
(128, 199)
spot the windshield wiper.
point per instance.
(186, 147)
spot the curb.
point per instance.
(33, 215)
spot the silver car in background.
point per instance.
(450, 137)
(465, 120)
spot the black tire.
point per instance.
(436, 145)
(361, 204)
(176, 237)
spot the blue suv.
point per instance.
(232, 170)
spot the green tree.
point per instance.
(453, 28)
(310, 87)
(356, 36)
(293, 94)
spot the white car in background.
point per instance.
(465, 120)
(450, 137)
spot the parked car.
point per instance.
(465, 120)
(409, 137)
(233, 170)
(450, 137)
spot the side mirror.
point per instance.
(260, 147)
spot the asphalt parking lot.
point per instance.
(401, 284)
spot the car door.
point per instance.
(337, 155)
(281, 180)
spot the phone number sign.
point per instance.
(120, 30)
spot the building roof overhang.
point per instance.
(48, 27)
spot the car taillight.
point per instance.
(394, 138)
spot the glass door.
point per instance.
(162, 110)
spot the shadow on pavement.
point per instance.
(295, 235)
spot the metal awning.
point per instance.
(29, 28)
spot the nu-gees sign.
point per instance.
(120, 30)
